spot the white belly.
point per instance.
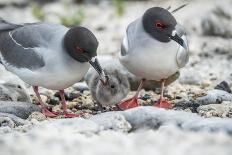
(152, 61)
(60, 71)
(54, 79)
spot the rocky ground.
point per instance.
(203, 90)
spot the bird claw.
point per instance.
(48, 113)
(163, 104)
(70, 115)
(128, 104)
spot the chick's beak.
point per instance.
(95, 64)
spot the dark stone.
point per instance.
(223, 86)
(145, 97)
(69, 96)
(19, 109)
(182, 105)
(54, 101)
(17, 121)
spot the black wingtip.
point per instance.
(180, 7)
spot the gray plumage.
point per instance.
(114, 91)
(25, 39)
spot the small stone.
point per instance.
(57, 108)
(223, 86)
(71, 105)
(38, 116)
(6, 121)
(44, 98)
(54, 100)
(216, 110)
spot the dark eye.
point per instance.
(112, 86)
(159, 25)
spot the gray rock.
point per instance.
(19, 109)
(11, 120)
(192, 77)
(116, 122)
(13, 92)
(218, 22)
(216, 110)
(223, 86)
(78, 125)
(214, 97)
(153, 118)
(6, 121)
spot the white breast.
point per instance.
(149, 58)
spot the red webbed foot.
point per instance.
(128, 104)
(71, 115)
(48, 113)
(163, 104)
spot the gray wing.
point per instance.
(182, 56)
(128, 38)
(19, 43)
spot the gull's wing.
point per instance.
(182, 56)
(19, 44)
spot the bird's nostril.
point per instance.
(112, 86)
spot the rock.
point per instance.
(76, 125)
(210, 97)
(6, 121)
(81, 87)
(112, 121)
(154, 118)
(216, 110)
(223, 86)
(37, 116)
(13, 92)
(11, 120)
(12, 88)
(17, 3)
(214, 97)
(69, 96)
(218, 21)
(192, 77)
(19, 109)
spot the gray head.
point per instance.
(160, 24)
(81, 44)
(113, 91)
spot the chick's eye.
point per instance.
(112, 86)
(159, 25)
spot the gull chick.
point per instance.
(110, 93)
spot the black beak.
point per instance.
(177, 39)
(103, 77)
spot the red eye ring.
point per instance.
(159, 25)
(79, 49)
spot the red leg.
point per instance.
(44, 108)
(64, 106)
(162, 103)
(132, 102)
